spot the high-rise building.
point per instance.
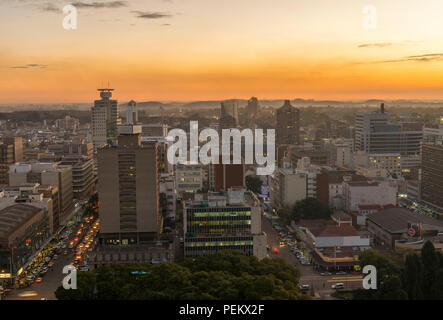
(229, 115)
(82, 175)
(373, 134)
(213, 222)
(105, 118)
(432, 175)
(288, 124)
(131, 113)
(61, 177)
(6, 159)
(128, 188)
(17, 146)
(433, 134)
(252, 110)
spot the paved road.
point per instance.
(53, 278)
(51, 281)
(321, 285)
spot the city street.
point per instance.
(53, 277)
(320, 285)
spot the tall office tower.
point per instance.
(432, 175)
(288, 124)
(252, 110)
(6, 159)
(228, 115)
(374, 135)
(105, 118)
(131, 113)
(17, 146)
(128, 189)
(365, 124)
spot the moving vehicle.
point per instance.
(339, 285)
(26, 294)
(304, 288)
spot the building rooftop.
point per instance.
(12, 217)
(395, 220)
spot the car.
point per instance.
(304, 288)
(39, 280)
(337, 286)
(325, 273)
(26, 294)
(341, 273)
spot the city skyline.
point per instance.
(207, 50)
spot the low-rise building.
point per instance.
(333, 245)
(391, 225)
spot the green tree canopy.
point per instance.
(310, 208)
(253, 183)
(228, 275)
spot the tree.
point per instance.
(389, 285)
(310, 208)
(431, 269)
(228, 275)
(253, 183)
(413, 279)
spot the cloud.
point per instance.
(419, 58)
(152, 15)
(49, 7)
(29, 66)
(378, 45)
(100, 5)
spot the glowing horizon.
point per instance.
(210, 50)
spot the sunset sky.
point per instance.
(181, 50)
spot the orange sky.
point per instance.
(207, 49)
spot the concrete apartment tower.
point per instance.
(128, 190)
(105, 119)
